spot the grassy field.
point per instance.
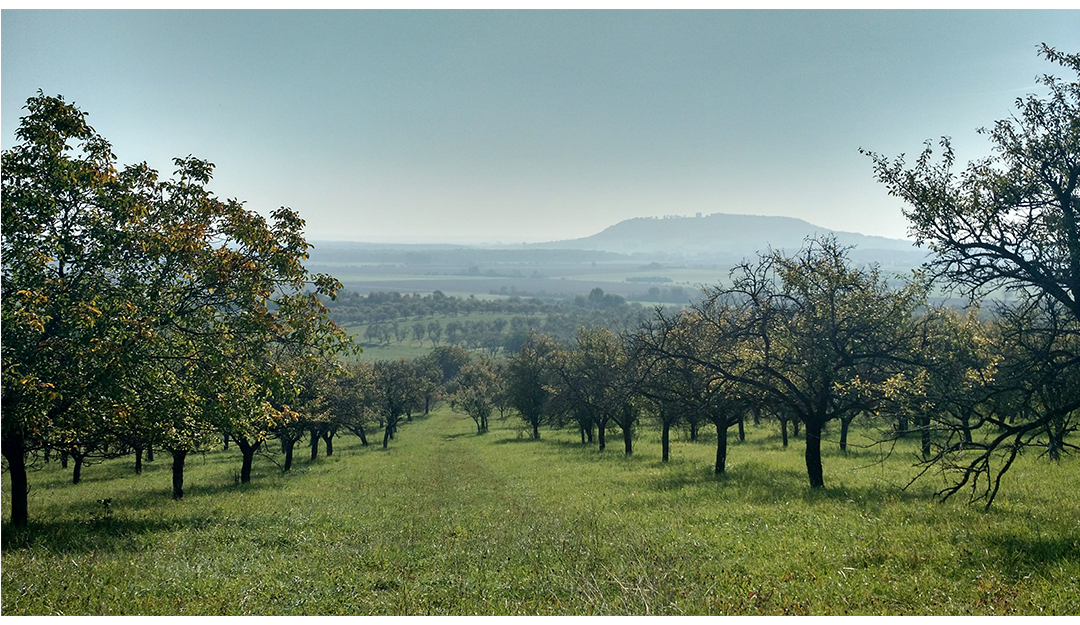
(448, 522)
(411, 348)
(561, 279)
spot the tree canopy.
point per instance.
(128, 299)
(808, 335)
(1008, 220)
(1008, 226)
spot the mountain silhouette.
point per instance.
(726, 236)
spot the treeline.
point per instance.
(141, 313)
(393, 317)
(809, 340)
(377, 307)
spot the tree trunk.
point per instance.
(902, 424)
(581, 430)
(63, 459)
(844, 423)
(328, 437)
(536, 431)
(783, 431)
(925, 437)
(287, 444)
(178, 474)
(150, 453)
(1055, 430)
(76, 474)
(14, 450)
(226, 437)
(601, 434)
(742, 428)
(813, 454)
(795, 423)
(721, 446)
(247, 451)
(314, 444)
(386, 436)
(665, 442)
(359, 431)
(628, 438)
(138, 460)
(757, 415)
(693, 431)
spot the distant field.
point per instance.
(411, 348)
(559, 281)
(448, 522)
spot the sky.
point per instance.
(510, 127)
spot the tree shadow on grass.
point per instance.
(749, 482)
(520, 439)
(759, 483)
(86, 524)
(116, 532)
(1020, 554)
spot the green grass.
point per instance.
(448, 522)
(411, 348)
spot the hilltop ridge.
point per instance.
(725, 236)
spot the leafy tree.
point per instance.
(527, 380)
(665, 382)
(351, 397)
(810, 336)
(449, 361)
(599, 377)
(127, 297)
(1031, 398)
(671, 349)
(395, 391)
(434, 332)
(295, 400)
(1009, 222)
(961, 361)
(427, 385)
(474, 391)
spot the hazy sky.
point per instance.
(531, 126)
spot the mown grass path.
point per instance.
(448, 522)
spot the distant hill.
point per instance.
(726, 237)
(718, 239)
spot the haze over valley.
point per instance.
(626, 258)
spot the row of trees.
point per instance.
(1009, 224)
(140, 312)
(807, 338)
(507, 335)
(385, 307)
(811, 339)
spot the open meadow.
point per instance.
(446, 521)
